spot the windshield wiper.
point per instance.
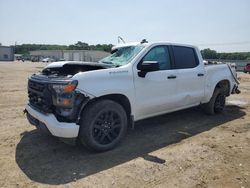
(110, 63)
(106, 62)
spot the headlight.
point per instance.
(63, 93)
(65, 88)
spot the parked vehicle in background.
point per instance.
(247, 68)
(47, 60)
(96, 102)
(35, 59)
(61, 59)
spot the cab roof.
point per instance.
(149, 44)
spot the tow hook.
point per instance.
(24, 111)
(237, 91)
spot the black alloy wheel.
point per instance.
(103, 125)
(107, 127)
(219, 103)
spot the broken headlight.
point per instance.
(65, 88)
(64, 93)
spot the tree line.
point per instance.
(212, 54)
(206, 53)
(26, 48)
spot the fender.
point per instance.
(103, 82)
(214, 75)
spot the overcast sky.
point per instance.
(223, 25)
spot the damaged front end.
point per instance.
(55, 91)
(59, 97)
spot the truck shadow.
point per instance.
(47, 160)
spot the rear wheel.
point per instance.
(216, 103)
(103, 125)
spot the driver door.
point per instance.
(156, 92)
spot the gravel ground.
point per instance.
(181, 149)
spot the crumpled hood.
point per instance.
(69, 68)
(62, 63)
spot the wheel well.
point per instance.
(119, 98)
(225, 86)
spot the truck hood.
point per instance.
(81, 63)
(70, 68)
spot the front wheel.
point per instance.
(216, 103)
(103, 125)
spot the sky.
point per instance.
(222, 25)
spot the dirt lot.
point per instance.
(181, 149)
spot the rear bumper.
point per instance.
(49, 122)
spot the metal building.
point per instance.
(70, 55)
(6, 53)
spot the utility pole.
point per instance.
(14, 51)
(15, 47)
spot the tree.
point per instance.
(85, 46)
(209, 54)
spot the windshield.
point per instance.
(122, 56)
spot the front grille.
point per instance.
(39, 95)
(36, 86)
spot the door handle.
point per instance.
(171, 77)
(200, 74)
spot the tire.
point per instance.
(103, 125)
(216, 104)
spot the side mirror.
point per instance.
(147, 66)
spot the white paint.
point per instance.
(155, 94)
(149, 96)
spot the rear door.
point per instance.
(190, 76)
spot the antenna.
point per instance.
(120, 39)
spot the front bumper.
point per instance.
(56, 128)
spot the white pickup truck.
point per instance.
(96, 102)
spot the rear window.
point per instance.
(184, 57)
